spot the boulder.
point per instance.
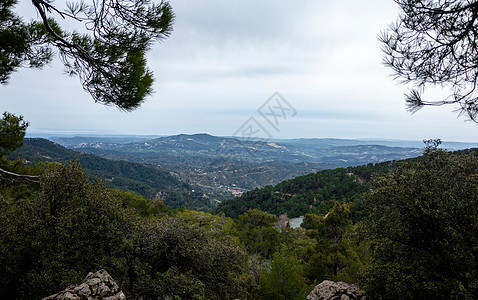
(330, 290)
(99, 285)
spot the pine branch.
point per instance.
(21, 177)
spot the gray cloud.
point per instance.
(225, 58)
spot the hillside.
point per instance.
(227, 165)
(147, 180)
(315, 192)
(312, 193)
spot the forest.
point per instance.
(397, 230)
(146, 180)
(404, 229)
(313, 193)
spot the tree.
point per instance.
(53, 237)
(334, 256)
(284, 279)
(109, 59)
(12, 132)
(257, 230)
(423, 224)
(54, 234)
(434, 43)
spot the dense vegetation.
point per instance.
(407, 232)
(314, 193)
(423, 228)
(415, 232)
(147, 180)
(57, 231)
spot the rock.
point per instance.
(330, 290)
(99, 285)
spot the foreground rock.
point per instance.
(99, 285)
(330, 290)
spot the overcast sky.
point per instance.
(225, 59)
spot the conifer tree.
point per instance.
(434, 43)
(109, 58)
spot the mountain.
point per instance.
(147, 180)
(118, 139)
(199, 145)
(230, 166)
(208, 146)
(330, 142)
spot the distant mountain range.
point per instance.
(198, 171)
(329, 142)
(225, 165)
(330, 151)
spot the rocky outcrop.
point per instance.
(330, 290)
(99, 285)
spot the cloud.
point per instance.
(225, 58)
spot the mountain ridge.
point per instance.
(227, 165)
(149, 181)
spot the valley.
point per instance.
(200, 171)
(225, 167)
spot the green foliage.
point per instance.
(12, 132)
(255, 218)
(333, 225)
(219, 225)
(434, 43)
(21, 44)
(183, 259)
(295, 241)
(257, 231)
(53, 236)
(423, 224)
(284, 279)
(312, 221)
(316, 192)
(140, 204)
(334, 256)
(109, 59)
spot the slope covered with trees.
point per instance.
(146, 180)
(57, 231)
(416, 238)
(312, 193)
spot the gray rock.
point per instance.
(82, 290)
(330, 290)
(99, 285)
(70, 296)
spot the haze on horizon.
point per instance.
(224, 60)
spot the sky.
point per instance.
(311, 69)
